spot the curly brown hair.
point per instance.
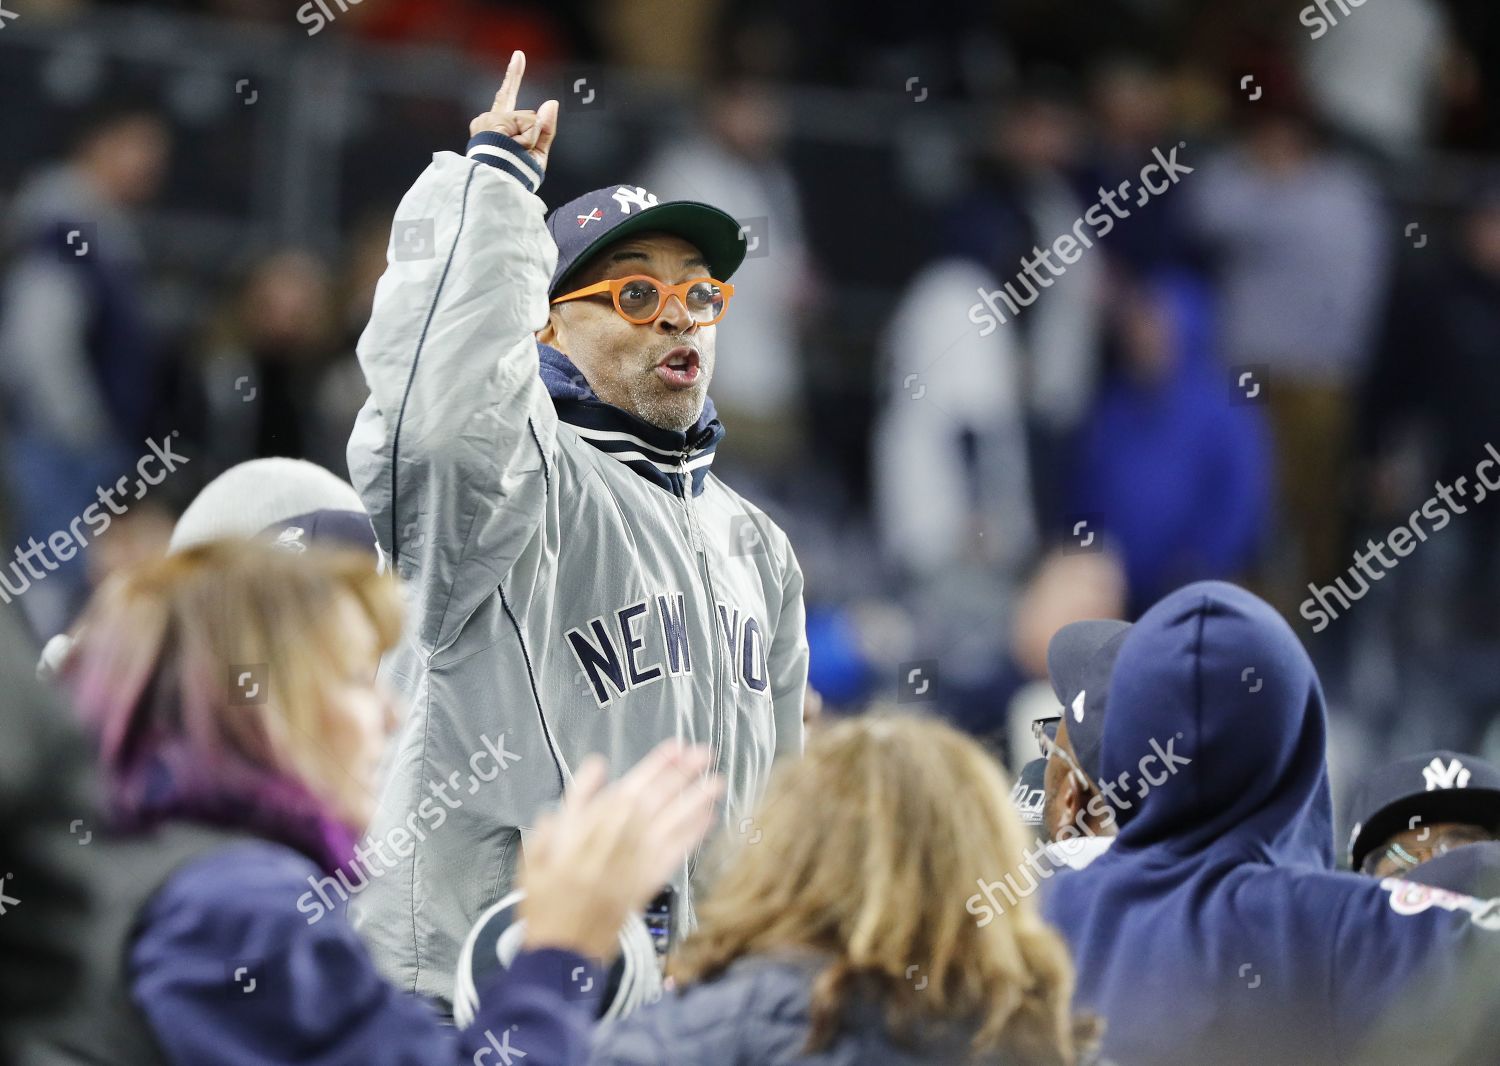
(868, 848)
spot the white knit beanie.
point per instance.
(260, 496)
(253, 497)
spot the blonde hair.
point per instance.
(166, 658)
(868, 848)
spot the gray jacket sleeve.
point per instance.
(788, 660)
(43, 356)
(452, 451)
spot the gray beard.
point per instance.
(675, 411)
(644, 397)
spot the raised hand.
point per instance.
(609, 850)
(533, 130)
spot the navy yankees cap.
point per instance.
(1436, 786)
(1472, 870)
(583, 226)
(1080, 658)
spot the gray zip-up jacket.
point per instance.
(578, 580)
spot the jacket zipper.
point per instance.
(695, 539)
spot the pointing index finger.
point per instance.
(510, 88)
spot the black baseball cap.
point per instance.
(583, 226)
(1436, 786)
(1080, 659)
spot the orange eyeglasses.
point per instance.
(640, 299)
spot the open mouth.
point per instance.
(679, 368)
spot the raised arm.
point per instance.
(452, 451)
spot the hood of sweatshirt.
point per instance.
(1215, 928)
(1214, 691)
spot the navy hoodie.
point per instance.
(1178, 475)
(1216, 929)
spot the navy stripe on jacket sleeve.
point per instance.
(506, 154)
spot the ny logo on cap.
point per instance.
(1454, 775)
(291, 539)
(1078, 705)
(625, 196)
(1028, 800)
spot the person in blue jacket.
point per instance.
(230, 691)
(1173, 465)
(1216, 929)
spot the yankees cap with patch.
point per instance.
(583, 226)
(1436, 786)
(1080, 658)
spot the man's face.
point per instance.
(129, 158)
(1064, 796)
(659, 372)
(1399, 855)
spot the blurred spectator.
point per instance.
(1130, 100)
(1069, 586)
(80, 375)
(1175, 473)
(487, 31)
(1300, 243)
(735, 161)
(268, 355)
(1437, 374)
(47, 811)
(140, 536)
(952, 481)
(1474, 86)
(1378, 80)
(838, 667)
(1023, 202)
(663, 37)
(342, 391)
(364, 262)
(812, 707)
(824, 943)
(1430, 414)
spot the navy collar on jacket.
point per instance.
(658, 455)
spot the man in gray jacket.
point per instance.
(535, 456)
